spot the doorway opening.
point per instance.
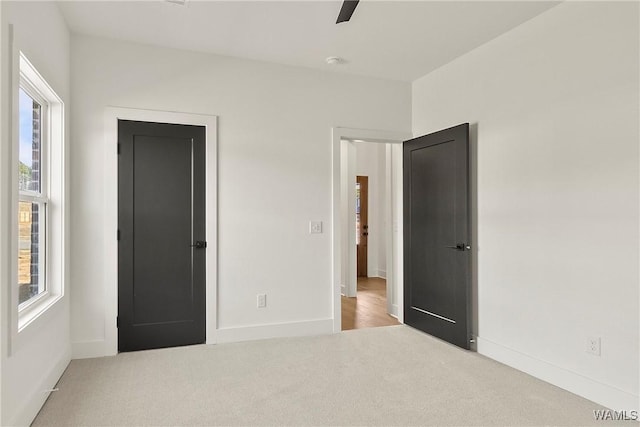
(367, 299)
(343, 271)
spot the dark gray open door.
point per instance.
(161, 227)
(436, 234)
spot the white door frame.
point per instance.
(395, 226)
(112, 114)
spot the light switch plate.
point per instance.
(315, 227)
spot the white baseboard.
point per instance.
(343, 290)
(394, 310)
(381, 274)
(88, 349)
(279, 330)
(609, 396)
(27, 412)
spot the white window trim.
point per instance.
(31, 313)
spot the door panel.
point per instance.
(161, 279)
(362, 223)
(436, 217)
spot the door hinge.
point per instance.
(118, 235)
(117, 321)
(118, 148)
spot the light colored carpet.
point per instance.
(380, 376)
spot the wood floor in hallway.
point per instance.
(369, 308)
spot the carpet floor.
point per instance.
(391, 375)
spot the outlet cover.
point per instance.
(315, 227)
(593, 345)
(262, 300)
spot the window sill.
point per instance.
(32, 312)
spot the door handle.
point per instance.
(200, 244)
(460, 247)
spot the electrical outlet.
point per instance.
(262, 300)
(315, 227)
(593, 346)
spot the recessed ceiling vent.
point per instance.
(180, 2)
(335, 60)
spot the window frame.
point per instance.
(35, 313)
(42, 197)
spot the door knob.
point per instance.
(199, 244)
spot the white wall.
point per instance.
(556, 106)
(370, 162)
(33, 363)
(274, 172)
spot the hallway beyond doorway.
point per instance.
(369, 308)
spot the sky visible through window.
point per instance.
(26, 128)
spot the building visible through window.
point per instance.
(33, 200)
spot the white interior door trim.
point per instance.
(396, 138)
(112, 114)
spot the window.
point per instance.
(39, 184)
(33, 193)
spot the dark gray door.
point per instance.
(161, 227)
(436, 234)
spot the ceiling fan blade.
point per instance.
(348, 6)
